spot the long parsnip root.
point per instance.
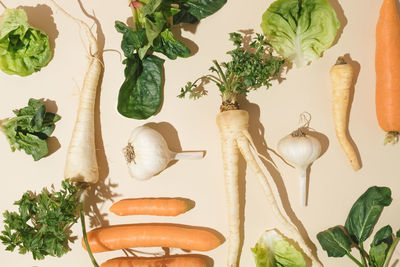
(229, 124)
(233, 126)
(342, 78)
(81, 161)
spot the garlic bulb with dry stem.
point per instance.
(300, 150)
(147, 153)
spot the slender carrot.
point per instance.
(152, 206)
(387, 67)
(171, 261)
(152, 235)
(233, 126)
(342, 78)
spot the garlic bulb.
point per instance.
(147, 153)
(300, 150)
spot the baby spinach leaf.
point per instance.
(377, 255)
(140, 95)
(194, 10)
(170, 47)
(131, 39)
(335, 242)
(30, 129)
(366, 211)
(384, 235)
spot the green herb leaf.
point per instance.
(23, 49)
(377, 255)
(170, 47)
(194, 10)
(398, 234)
(140, 95)
(131, 40)
(249, 69)
(42, 224)
(335, 242)
(30, 129)
(385, 234)
(366, 211)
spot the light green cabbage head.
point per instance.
(23, 49)
(300, 30)
(272, 250)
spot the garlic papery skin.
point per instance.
(147, 153)
(300, 150)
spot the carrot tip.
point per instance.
(392, 137)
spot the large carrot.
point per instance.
(152, 235)
(387, 67)
(171, 261)
(245, 72)
(342, 78)
(152, 206)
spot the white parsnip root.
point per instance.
(81, 162)
(233, 126)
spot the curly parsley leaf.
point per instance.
(30, 129)
(252, 65)
(42, 223)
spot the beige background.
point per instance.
(188, 125)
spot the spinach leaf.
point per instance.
(366, 211)
(131, 39)
(170, 47)
(194, 10)
(140, 95)
(30, 129)
(377, 255)
(384, 235)
(335, 242)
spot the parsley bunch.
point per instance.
(42, 224)
(250, 68)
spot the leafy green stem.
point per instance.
(362, 253)
(135, 15)
(82, 216)
(355, 260)
(390, 251)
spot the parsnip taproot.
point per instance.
(171, 261)
(248, 70)
(342, 79)
(152, 206)
(152, 235)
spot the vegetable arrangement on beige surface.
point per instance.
(245, 72)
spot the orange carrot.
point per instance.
(171, 261)
(152, 235)
(387, 67)
(152, 206)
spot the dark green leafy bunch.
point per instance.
(338, 241)
(251, 66)
(42, 223)
(140, 95)
(30, 129)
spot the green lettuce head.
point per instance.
(300, 30)
(23, 49)
(273, 250)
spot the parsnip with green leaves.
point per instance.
(247, 71)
